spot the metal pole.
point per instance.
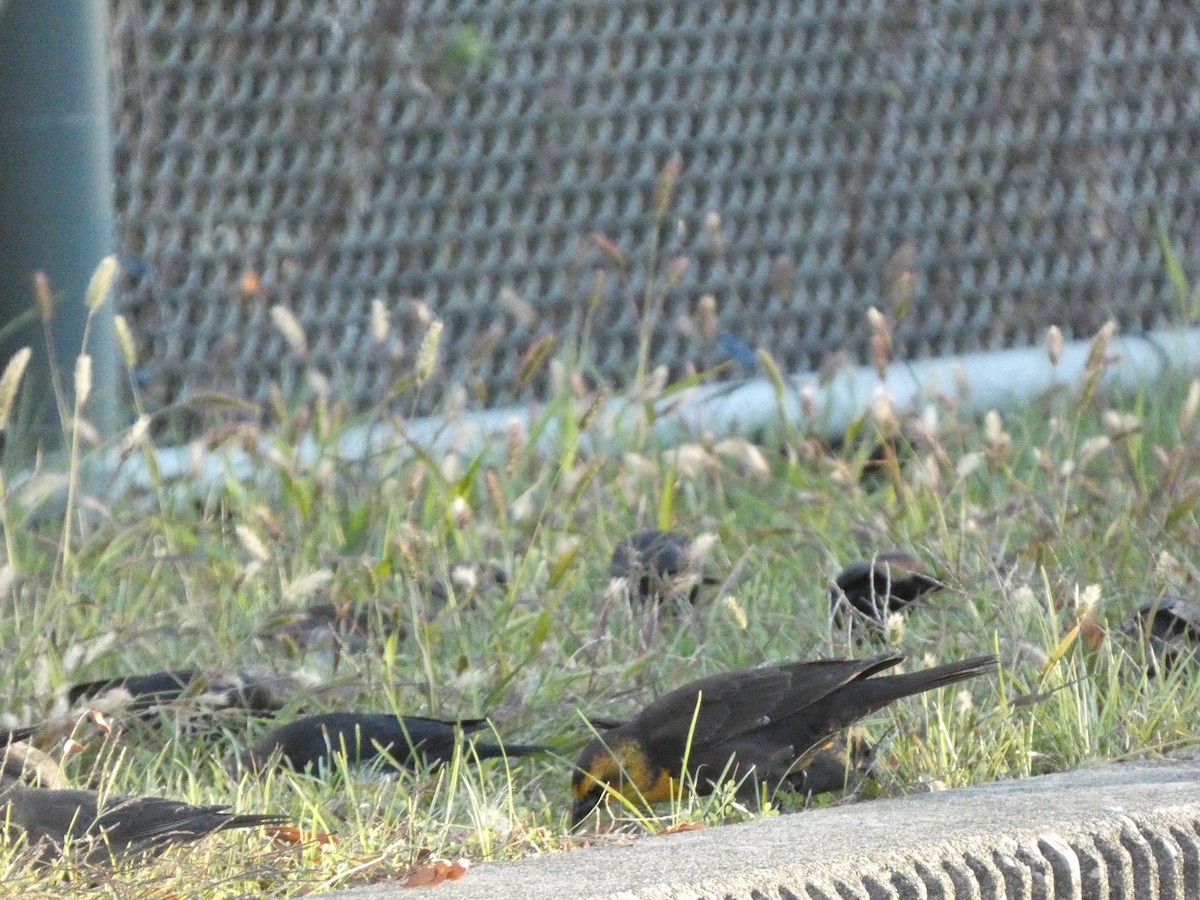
(56, 207)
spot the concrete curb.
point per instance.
(1115, 831)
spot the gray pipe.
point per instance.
(1001, 380)
(56, 207)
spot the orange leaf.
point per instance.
(289, 834)
(100, 720)
(436, 872)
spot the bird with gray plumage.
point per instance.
(341, 628)
(311, 742)
(658, 565)
(101, 828)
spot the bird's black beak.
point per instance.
(581, 809)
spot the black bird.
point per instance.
(311, 741)
(253, 689)
(18, 743)
(105, 828)
(1170, 627)
(13, 735)
(468, 581)
(834, 765)
(134, 692)
(324, 626)
(760, 726)
(349, 626)
(872, 588)
(661, 564)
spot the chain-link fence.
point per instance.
(978, 170)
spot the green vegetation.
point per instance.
(1072, 511)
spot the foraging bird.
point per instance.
(467, 581)
(322, 626)
(311, 741)
(1170, 626)
(756, 726)
(835, 765)
(20, 748)
(886, 583)
(253, 688)
(831, 767)
(14, 735)
(134, 690)
(108, 827)
(350, 627)
(661, 564)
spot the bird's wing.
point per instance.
(138, 820)
(155, 686)
(752, 756)
(811, 682)
(142, 822)
(730, 704)
(439, 725)
(48, 814)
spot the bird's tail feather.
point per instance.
(892, 687)
(495, 751)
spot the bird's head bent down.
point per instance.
(771, 724)
(617, 762)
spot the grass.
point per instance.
(1078, 507)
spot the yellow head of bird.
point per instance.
(616, 763)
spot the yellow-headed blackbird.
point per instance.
(753, 726)
(1170, 627)
(103, 828)
(311, 741)
(660, 564)
(874, 587)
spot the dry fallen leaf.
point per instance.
(434, 873)
(682, 827)
(289, 834)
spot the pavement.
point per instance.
(1113, 831)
